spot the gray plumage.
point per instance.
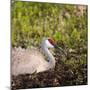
(31, 60)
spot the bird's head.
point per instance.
(50, 43)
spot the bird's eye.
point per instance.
(51, 41)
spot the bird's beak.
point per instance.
(60, 49)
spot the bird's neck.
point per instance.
(49, 56)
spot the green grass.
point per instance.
(31, 21)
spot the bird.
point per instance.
(29, 61)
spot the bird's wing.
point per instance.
(26, 61)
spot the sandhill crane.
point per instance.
(28, 61)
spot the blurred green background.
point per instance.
(31, 21)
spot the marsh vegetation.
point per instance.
(67, 24)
